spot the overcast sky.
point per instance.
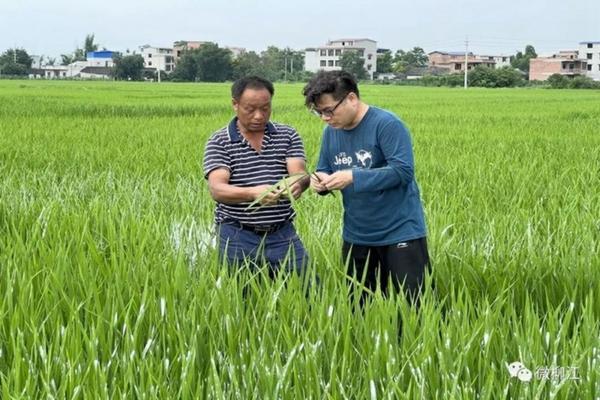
(52, 27)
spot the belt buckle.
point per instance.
(263, 229)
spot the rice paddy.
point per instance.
(110, 286)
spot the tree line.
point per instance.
(211, 63)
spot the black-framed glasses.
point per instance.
(328, 113)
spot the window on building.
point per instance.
(330, 52)
(589, 67)
(369, 56)
(323, 53)
(149, 55)
(590, 45)
(571, 65)
(589, 56)
(149, 63)
(337, 63)
(361, 53)
(323, 63)
(503, 59)
(338, 52)
(330, 63)
(369, 67)
(457, 66)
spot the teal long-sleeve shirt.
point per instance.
(382, 206)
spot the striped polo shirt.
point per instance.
(227, 148)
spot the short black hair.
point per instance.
(336, 83)
(250, 82)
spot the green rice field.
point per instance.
(110, 286)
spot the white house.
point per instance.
(158, 58)
(327, 57)
(590, 51)
(500, 60)
(98, 65)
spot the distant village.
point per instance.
(582, 60)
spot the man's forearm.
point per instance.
(230, 194)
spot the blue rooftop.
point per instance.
(100, 54)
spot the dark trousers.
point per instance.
(281, 249)
(401, 266)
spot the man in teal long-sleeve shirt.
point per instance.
(366, 153)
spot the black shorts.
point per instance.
(403, 265)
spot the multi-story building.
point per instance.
(564, 63)
(454, 62)
(500, 61)
(101, 58)
(158, 58)
(327, 57)
(590, 51)
(181, 46)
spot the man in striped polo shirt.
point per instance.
(241, 161)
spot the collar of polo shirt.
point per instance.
(234, 135)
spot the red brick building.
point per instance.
(565, 63)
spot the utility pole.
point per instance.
(285, 68)
(466, 61)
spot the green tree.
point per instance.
(248, 63)
(282, 64)
(214, 63)
(80, 54)
(352, 62)
(521, 60)
(385, 63)
(66, 59)
(272, 61)
(130, 68)
(89, 45)
(398, 63)
(15, 62)
(558, 81)
(416, 57)
(508, 77)
(583, 82)
(186, 68)
(404, 60)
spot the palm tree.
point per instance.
(89, 45)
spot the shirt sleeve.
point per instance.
(215, 156)
(296, 148)
(323, 163)
(395, 143)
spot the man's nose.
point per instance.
(258, 114)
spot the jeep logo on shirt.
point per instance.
(342, 159)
